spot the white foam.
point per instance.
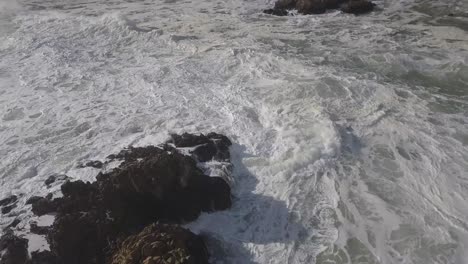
(323, 110)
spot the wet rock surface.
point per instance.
(99, 222)
(307, 7)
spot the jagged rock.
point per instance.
(14, 250)
(151, 184)
(158, 244)
(213, 146)
(154, 182)
(8, 200)
(358, 7)
(132, 153)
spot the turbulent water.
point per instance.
(351, 132)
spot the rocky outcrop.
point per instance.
(161, 243)
(152, 184)
(14, 250)
(358, 7)
(307, 7)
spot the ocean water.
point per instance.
(350, 132)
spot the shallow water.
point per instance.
(350, 132)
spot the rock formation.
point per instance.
(118, 218)
(307, 7)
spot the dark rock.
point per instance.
(276, 12)
(143, 189)
(308, 7)
(334, 4)
(321, 6)
(54, 178)
(81, 237)
(38, 230)
(285, 4)
(358, 7)
(151, 184)
(213, 146)
(7, 209)
(33, 199)
(132, 153)
(8, 200)
(44, 206)
(158, 244)
(14, 250)
(42, 257)
(93, 164)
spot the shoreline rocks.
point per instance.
(307, 7)
(154, 189)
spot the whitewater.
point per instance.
(350, 132)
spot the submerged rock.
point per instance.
(307, 7)
(93, 164)
(55, 178)
(161, 243)
(14, 250)
(8, 208)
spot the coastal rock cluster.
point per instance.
(307, 7)
(130, 214)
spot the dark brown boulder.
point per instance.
(285, 4)
(358, 7)
(14, 250)
(161, 186)
(308, 7)
(161, 244)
